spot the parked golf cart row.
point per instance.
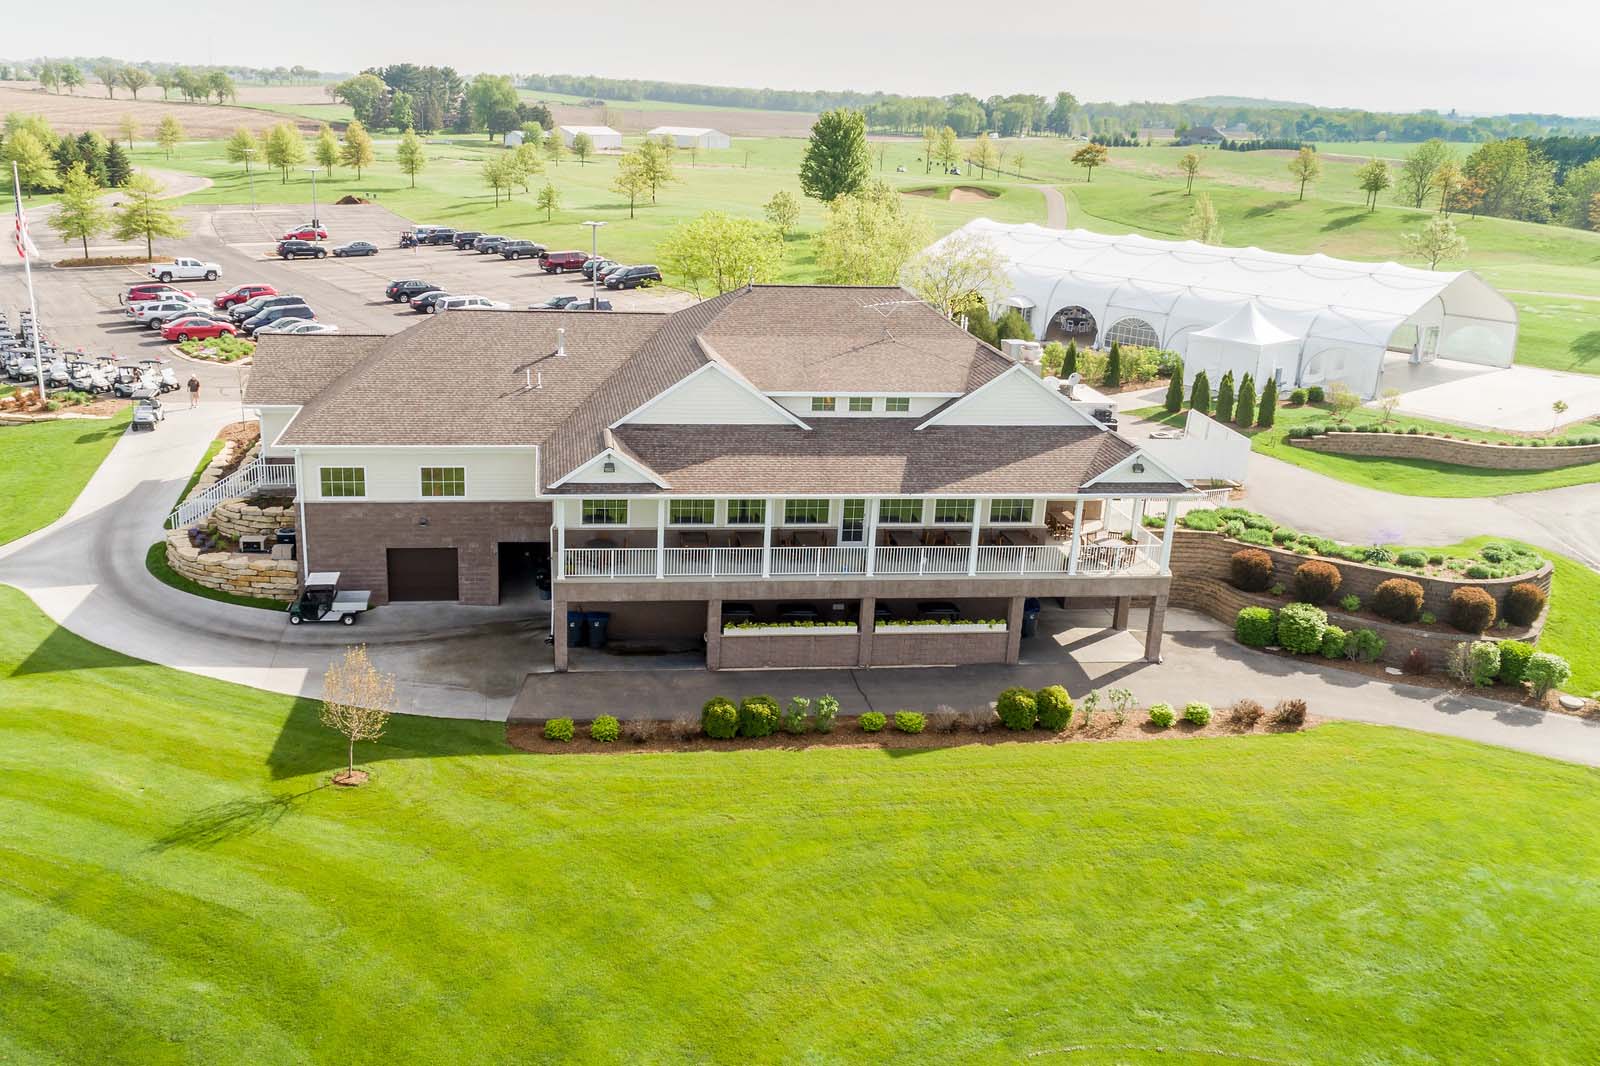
(248, 309)
(613, 274)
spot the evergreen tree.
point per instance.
(118, 167)
(1225, 398)
(1244, 408)
(1069, 364)
(1175, 390)
(981, 326)
(1200, 393)
(1269, 404)
(1114, 367)
(1012, 326)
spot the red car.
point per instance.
(152, 290)
(561, 262)
(196, 327)
(306, 233)
(240, 293)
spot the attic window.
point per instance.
(860, 404)
(897, 405)
(824, 404)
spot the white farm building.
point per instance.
(604, 138)
(691, 136)
(1304, 319)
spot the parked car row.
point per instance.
(510, 248)
(247, 309)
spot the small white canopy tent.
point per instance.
(1344, 315)
(1245, 343)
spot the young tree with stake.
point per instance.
(356, 703)
(1190, 165)
(1305, 168)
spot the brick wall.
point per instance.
(891, 648)
(1459, 452)
(838, 649)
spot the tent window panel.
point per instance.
(1133, 331)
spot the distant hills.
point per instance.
(1245, 101)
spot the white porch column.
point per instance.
(977, 525)
(1166, 534)
(767, 510)
(1077, 536)
(872, 535)
(661, 539)
(561, 536)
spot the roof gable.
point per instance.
(710, 396)
(1019, 397)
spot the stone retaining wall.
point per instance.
(240, 517)
(1445, 450)
(260, 576)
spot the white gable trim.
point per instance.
(1075, 417)
(717, 369)
(1139, 456)
(612, 455)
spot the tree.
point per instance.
(836, 160)
(402, 115)
(1200, 393)
(1069, 361)
(49, 77)
(497, 175)
(631, 180)
(117, 169)
(110, 75)
(361, 94)
(1594, 212)
(1305, 168)
(1514, 179)
(1203, 224)
(1090, 156)
(356, 703)
(1244, 408)
(143, 214)
(79, 213)
(1445, 180)
(554, 148)
(71, 76)
(869, 237)
(582, 147)
(722, 251)
(526, 161)
(948, 150)
(326, 150)
(783, 212)
(129, 128)
(655, 164)
(1268, 409)
(488, 96)
(1557, 409)
(1437, 242)
(1389, 401)
(549, 200)
(957, 273)
(1225, 398)
(983, 154)
(357, 150)
(35, 167)
(219, 84)
(410, 156)
(1174, 402)
(1190, 165)
(1059, 121)
(169, 132)
(1113, 378)
(930, 144)
(1419, 172)
(133, 79)
(285, 149)
(241, 147)
(1373, 178)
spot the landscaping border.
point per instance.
(1432, 448)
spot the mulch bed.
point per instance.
(684, 736)
(1441, 682)
(106, 261)
(104, 407)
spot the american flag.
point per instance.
(24, 243)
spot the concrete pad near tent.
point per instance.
(1515, 399)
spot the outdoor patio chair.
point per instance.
(694, 540)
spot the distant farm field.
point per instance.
(89, 109)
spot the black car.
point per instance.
(464, 238)
(438, 236)
(399, 291)
(522, 250)
(489, 242)
(250, 308)
(593, 263)
(633, 277)
(301, 250)
(555, 303)
(423, 302)
(583, 303)
(356, 248)
(273, 314)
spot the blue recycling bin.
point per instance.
(577, 632)
(1030, 616)
(597, 623)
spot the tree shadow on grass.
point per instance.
(304, 746)
(1346, 218)
(221, 822)
(1262, 210)
(63, 650)
(1586, 347)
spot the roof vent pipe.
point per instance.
(561, 342)
(538, 381)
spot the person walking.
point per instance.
(194, 391)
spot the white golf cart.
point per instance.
(321, 600)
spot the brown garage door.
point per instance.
(423, 574)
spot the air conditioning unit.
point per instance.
(1020, 351)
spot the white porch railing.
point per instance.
(244, 481)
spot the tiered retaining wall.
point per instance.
(260, 576)
(241, 517)
(1447, 450)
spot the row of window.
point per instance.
(753, 512)
(859, 405)
(348, 481)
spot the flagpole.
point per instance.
(27, 267)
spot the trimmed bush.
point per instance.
(1162, 715)
(1514, 656)
(1297, 397)
(1018, 708)
(1055, 708)
(719, 718)
(1246, 713)
(1333, 642)
(1225, 398)
(1524, 601)
(1351, 603)
(827, 711)
(909, 722)
(1268, 412)
(1198, 713)
(1300, 628)
(873, 722)
(1316, 581)
(1200, 393)
(1483, 662)
(758, 716)
(1255, 627)
(559, 729)
(1315, 394)
(606, 729)
(1250, 570)
(1364, 645)
(1471, 610)
(1412, 558)
(1398, 599)
(1544, 672)
(1290, 714)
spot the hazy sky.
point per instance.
(1472, 55)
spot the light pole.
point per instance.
(594, 275)
(313, 172)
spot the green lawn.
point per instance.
(181, 885)
(45, 465)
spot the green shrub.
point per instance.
(827, 711)
(1398, 599)
(1333, 642)
(1315, 394)
(1225, 398)
(909, 721)
(1268, 409)
(719, 718)
(1545, 671)
(1256, 536)
(1055, 708)
(1351, 603)
(1479, 572)
(1364, 645)
(1316, 581)
(873, 722)
(758, 716)
(1200, 393)
(1206, 521)
(1427, 618)
(1412, 558)
(1255, 627)
(1276, 588)
(1514, 656)
(1483, 662)
(559, 729)
(1524, 602)
(1496, 552)
(1471, 609)
(1436, 559)
(1198, 713)
(1162, 716)
(1250, 569)
(1297, 397)
(793, 719)
(1300, 627)
(1018, 708)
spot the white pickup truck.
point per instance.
(186, 270)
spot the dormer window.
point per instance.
(897, 405)
(860, 405)
(824, 404)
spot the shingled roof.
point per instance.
(290, 371)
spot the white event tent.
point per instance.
(1340, 315)
(1245, 343)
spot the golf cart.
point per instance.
(322, 601)
(146, 413)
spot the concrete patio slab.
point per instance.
(1516, 399)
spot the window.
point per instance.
(853, 522)
(805, 512)
(691, 512)
(1013, 511)
(747, 512)
(897, 405)
(344, 480)
(860, 404)
(444, 481)
(605, 512)
(1134, 331)
(823, 403)
(959, 511)
(901, 511)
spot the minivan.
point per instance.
(633, 277)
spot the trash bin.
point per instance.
(597, 621)
(1030, 616)
(577, 633)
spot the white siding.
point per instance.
(710, 398)
(395, 474)
(1013, 400)
(594, 472)
(921, 407)
(1123, 472)
(641, 512)
(273, 422)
